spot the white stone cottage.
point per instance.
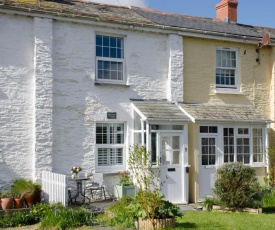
(81, 82)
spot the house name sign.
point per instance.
(111, 115)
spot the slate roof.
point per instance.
(78, 8)
(159, 110)
(232, 113)
(135, 16)
(198, 23)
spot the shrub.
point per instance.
(120, 213)
(65, 218)
(236, 186)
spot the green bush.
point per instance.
(65, 218)
(120, 213)
(17, 219)
(49, 216)
(236, 186)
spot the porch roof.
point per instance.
(224, 113)
(159, 110)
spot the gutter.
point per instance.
(230, 120)
(146, 27)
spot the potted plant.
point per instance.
(28, 190)
(17, 200)
(6, 199)
(152, 210)
(125, 187)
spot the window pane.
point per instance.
(154, 148)
(175, 142)
(106, 41)
(203, 129)
(98, 51)
(226, 68)
(257, 145)
(102, 155)
(110, 47)
(99, 41)
(176, 157)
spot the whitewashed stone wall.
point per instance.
(49, 102)
(16, 97)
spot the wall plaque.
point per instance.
(111, 115)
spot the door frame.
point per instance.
(184, 152)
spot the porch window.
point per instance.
(226, 68)
(109, 59)
(208, 147)
(243, 144)
(228, 144)
(110, 144)
(257, 145)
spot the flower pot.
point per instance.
(33, 199)
(18, 202)
(74, 175)
(146, 224)
(121, 190)
(6, 203)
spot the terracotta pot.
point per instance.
(6, 203)
(18, 202)
(33, 199)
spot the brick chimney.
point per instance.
(226, 10)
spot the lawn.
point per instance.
(225, 220)
(209, 220)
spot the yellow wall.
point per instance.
(199, 74)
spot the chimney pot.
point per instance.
(226, 10)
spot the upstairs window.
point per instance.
(226, 68)
(109, 59)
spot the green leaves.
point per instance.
(236, 185)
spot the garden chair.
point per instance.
(96, 186)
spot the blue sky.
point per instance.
(250, 12)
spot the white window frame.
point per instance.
(111, 168)
(220, 142)
(226, 88)
(118, 60)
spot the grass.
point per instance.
(225, 220)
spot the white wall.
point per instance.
(49, 101)
(16, 96)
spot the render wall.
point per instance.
(78, 102)
(16, 97)
(48, 97)
(199, 72)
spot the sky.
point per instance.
(250, 12)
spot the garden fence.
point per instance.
(55, 188)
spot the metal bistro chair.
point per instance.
(96, 185)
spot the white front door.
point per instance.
(171, 166)
(207, 170)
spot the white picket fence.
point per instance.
(55, 188)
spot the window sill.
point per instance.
(109, 170)
(111, 84)
(228, 91)
(259, 165)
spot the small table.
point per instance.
(79, 189)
